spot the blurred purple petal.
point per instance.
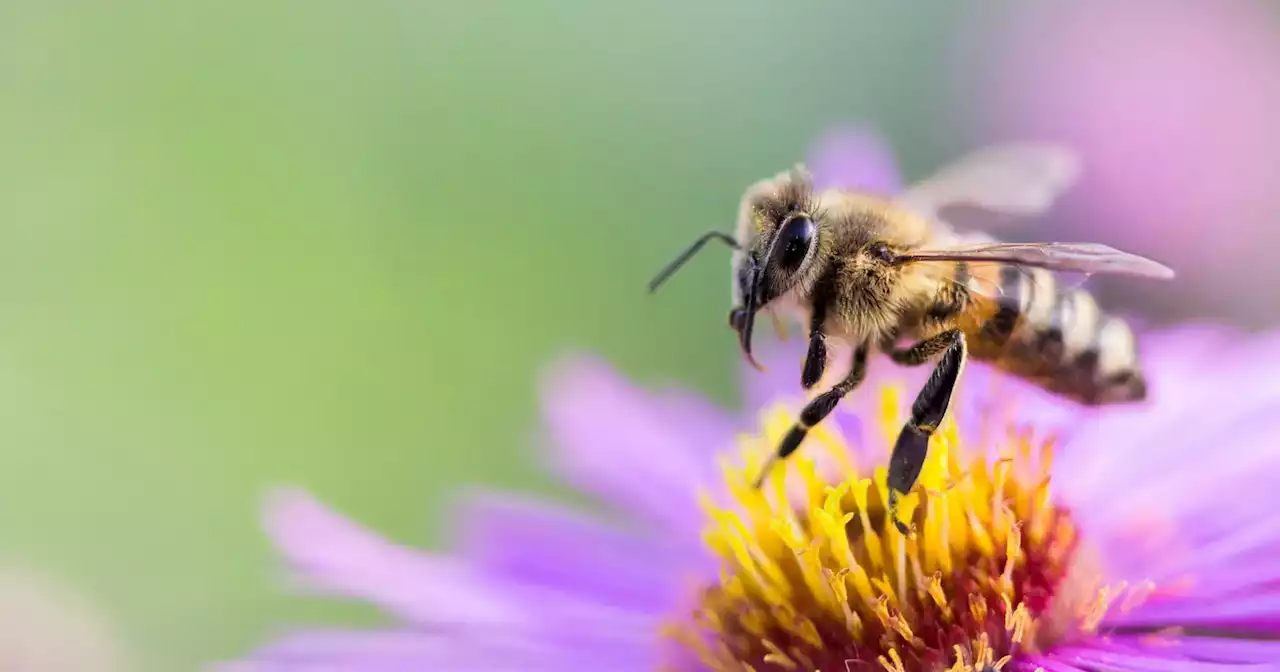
(1100, 658)
(560, 549)
(408, 650)
(623, 444)
(373, 651)
(1046, 663)
(334, 555)
(1216, 649)
(853, 157)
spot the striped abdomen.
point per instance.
(1051, 335)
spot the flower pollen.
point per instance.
(815, 577)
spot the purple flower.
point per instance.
(1155, 549)
(1047, 536)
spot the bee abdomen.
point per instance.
(1061, 340)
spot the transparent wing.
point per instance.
(992, 279)
(992, 184)
(1085, 258)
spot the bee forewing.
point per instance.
(1089, 258)
(984, 278)
(1022, 179)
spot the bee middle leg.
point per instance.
(816, 411)
(927, 413)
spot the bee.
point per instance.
(888, 275)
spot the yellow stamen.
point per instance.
(777, 657)
(895, 665)
(815, 573)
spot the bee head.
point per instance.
(779, 233)
(776, 249)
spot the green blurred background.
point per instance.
(332, 243)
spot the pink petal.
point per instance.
(1049, 664)
(630, 447)
(1209, 649)
(552, 547)
(1092, 658)
(400, 651)
(444, 597)
(334, 555)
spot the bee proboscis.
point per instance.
(869, 272)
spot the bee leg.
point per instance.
(927, 413)
(815, 361)
(816, 411)
(921, 352)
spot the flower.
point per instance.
(1126, 539)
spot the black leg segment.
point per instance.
(927, 413)
(815, 361)
(817, 410)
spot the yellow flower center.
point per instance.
(814, 577)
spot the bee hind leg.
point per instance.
(816, 411)
(927, 413)
(921, 352)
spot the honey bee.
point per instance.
(889, 275)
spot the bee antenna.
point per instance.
(676, 263)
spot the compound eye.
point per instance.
(794, 241)
(736, 318)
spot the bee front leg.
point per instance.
(927, 413)
(817, 410)
(815, 360)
